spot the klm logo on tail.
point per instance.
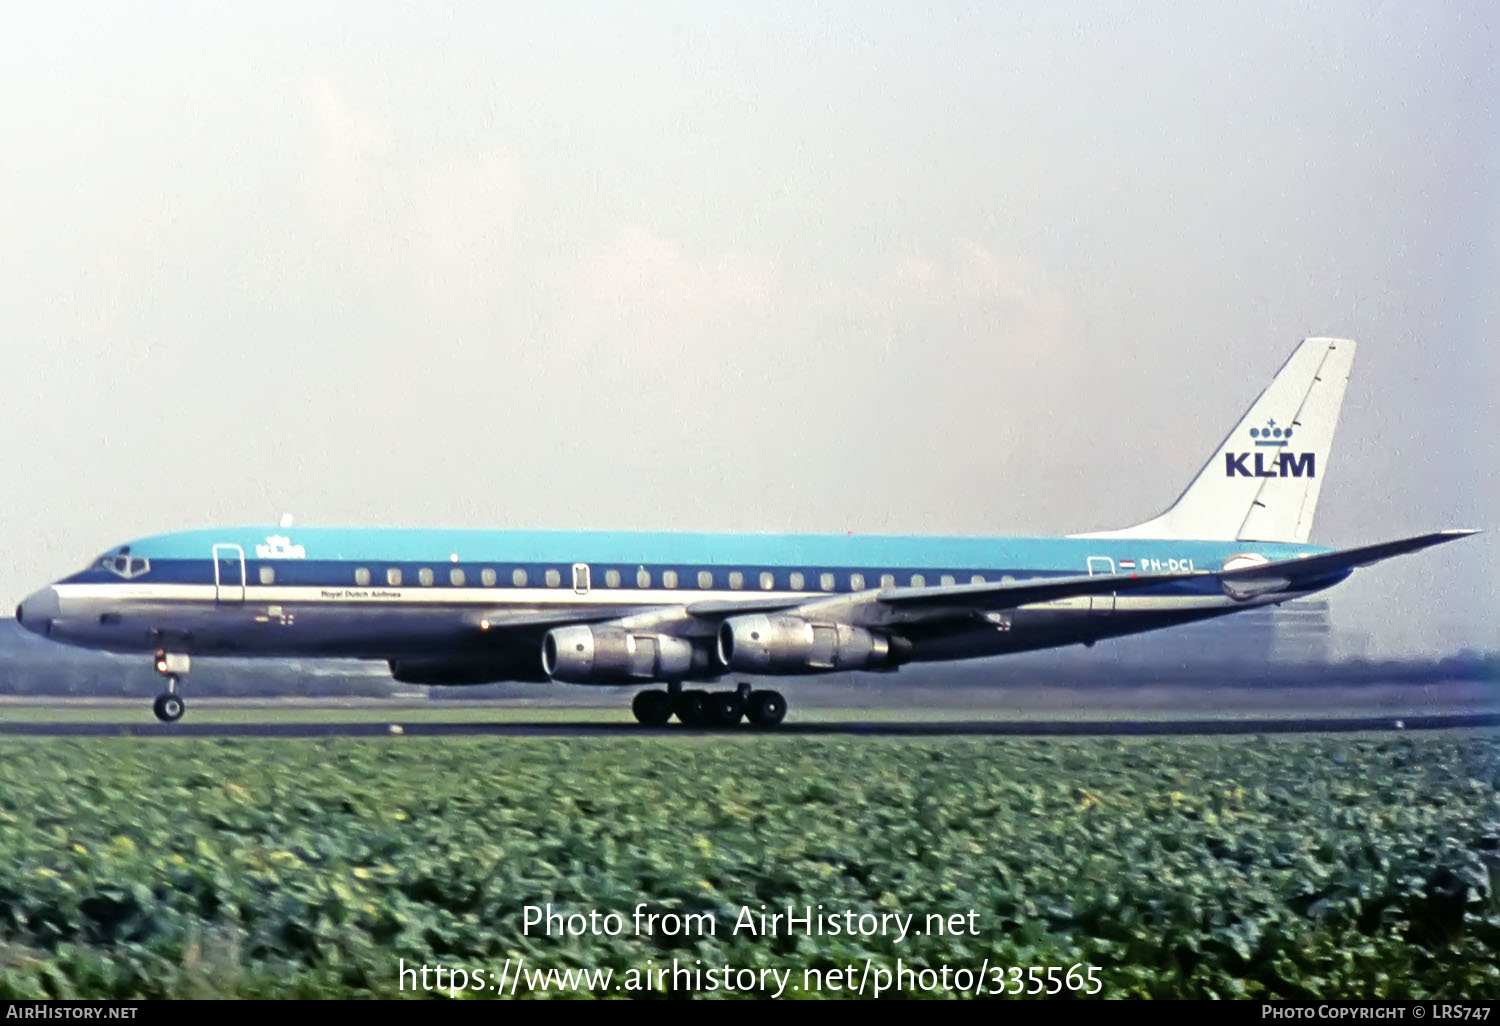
(1270, 464)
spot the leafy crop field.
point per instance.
(1250, 866)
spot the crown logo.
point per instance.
(1271, 434)
(279, 546)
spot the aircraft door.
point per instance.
(229, 573)
(1101, 603)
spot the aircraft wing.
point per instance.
(897, 605)
(892, 605)
(990, 595)
(1009, 594)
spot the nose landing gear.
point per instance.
(169, 705)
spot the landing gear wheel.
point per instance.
(724, 709)
(652, 708)
(690, 707)
(766, 708)
(168, 707)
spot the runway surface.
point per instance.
(914, 728)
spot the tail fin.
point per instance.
(1262, 483)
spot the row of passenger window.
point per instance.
(670, 579)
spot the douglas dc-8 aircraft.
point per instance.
(469, 607)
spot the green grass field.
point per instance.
(1353, 866)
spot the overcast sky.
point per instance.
(973, 269)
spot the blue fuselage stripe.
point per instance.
(342, 574)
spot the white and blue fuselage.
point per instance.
(407, 595)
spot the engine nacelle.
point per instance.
(605, 655)
(790, 644)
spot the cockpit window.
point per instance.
(122, 564)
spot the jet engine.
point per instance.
(790, 644)
(608, 655)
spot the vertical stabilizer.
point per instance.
(1262, 483)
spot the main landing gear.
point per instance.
(169, 705)
(695, 708)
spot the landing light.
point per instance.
(484, 625)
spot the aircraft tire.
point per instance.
(652, 708)
(766, 708)
(690, 707)
(724, 709)
(168, 707)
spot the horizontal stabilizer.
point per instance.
(1310, 567)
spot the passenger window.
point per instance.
(669, 578)
(362, 576)
(767, 581)
(425, 576)
(797, 580)
(736, 580)
(487, 577)
(1006, 579)
(518, 577)
(643, 578)
(825, 581)
(948, 580)
(856, 582)
(918, 581)
(611, 578)
(705, 579)
(977, 579)
(456, 577)
(554, 578)
(393, 576)
(887, 580)
(267, 575)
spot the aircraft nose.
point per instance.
(37, 611)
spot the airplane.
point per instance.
(678, 611)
